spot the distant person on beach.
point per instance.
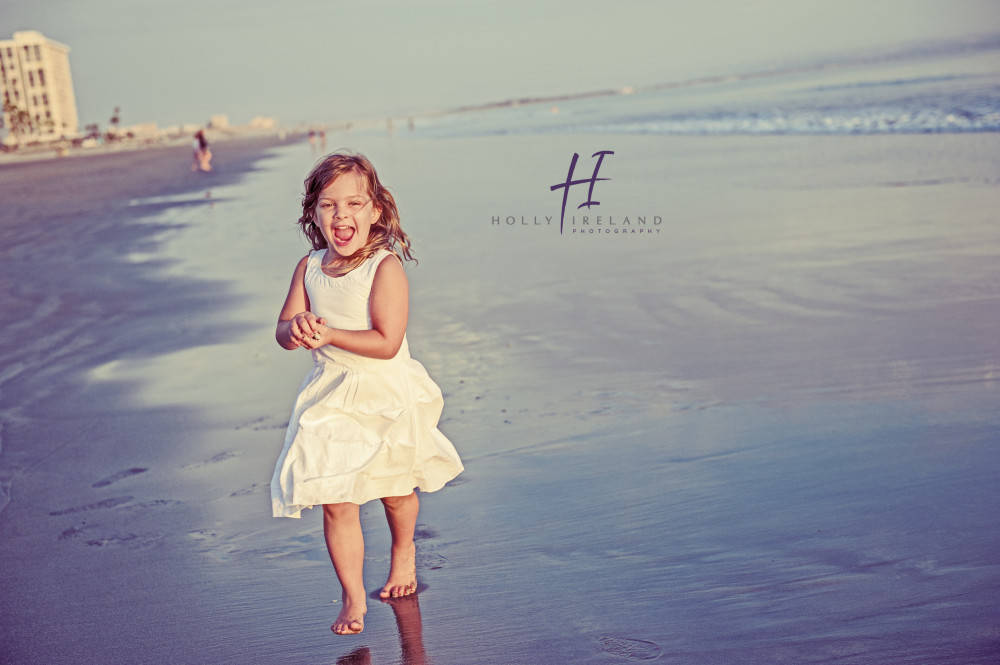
(202, 156)
(364, 425)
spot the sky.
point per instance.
(330, 61)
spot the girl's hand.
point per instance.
(321, 335)
(308, 330)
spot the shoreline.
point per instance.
(52, 151)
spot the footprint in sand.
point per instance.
(630, 648)
(113, 540)
(129, 540)
(107, 503)
(73, 532)
(426, 558)
(115, 477)
(221, 457)
(154, 503)
(423, 532)
(264, 423)
(430, 560)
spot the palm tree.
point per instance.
(112, 134)
(19, 120)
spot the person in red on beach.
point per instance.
(201, 154)
(364, 425)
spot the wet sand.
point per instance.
(766, 433)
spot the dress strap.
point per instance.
(376, 260)
(315, 261)
(366, 271)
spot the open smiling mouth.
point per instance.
(343, 234)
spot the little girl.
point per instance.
(364, 425)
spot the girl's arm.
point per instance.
(295, 319)
(390, 309)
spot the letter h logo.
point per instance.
(570, 182)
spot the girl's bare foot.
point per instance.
(351, 620)
(402, 572)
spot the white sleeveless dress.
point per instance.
(361, 428)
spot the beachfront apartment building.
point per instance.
(37, 90)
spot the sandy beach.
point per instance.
(763, 430)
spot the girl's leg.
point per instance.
(401, 513)
(345, 542)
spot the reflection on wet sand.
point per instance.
(411, 629)
(411, 638)
(359, 656)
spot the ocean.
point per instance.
(933, 89)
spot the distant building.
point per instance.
(263, 122)
(220, 121)
(35, 78)
(145, 131)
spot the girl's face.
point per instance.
(345, 213)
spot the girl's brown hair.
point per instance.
(385, 233)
